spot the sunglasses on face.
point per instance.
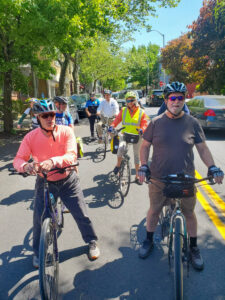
(173, 98)
(45, 116)
(130, 100)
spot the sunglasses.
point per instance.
(129, 101)
(45, 116)
(173, 98)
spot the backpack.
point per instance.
(80, 147)
(114, 145)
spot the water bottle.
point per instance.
(52, 198)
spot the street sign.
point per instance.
(161, 83)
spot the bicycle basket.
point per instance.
(114, 144)
(131, 138)
(179, 191)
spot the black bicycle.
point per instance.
(173, 224)
(52, 222)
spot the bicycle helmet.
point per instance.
(107, 92)
(60, 99)
(43, 106)
(174, 87)
(33, 100)
(131, 95)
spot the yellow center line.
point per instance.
(211, 213)
(212, 194)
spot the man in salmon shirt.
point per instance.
(135, 121)
(54, 146)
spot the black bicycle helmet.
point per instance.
(174, 87)
(43, 106)
(60, 99)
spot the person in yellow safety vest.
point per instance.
(135, 121)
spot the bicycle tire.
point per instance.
(178, 264)
(105, 141)
(48, 263)
(124, 178)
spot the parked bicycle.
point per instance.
(173, 224)
(52, 222)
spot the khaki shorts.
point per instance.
(158, 200)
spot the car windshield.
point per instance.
(220, 101)
(121, 95)
(79, 98)
(157, 92)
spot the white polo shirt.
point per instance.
(109, 108)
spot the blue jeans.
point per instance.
(70, 192)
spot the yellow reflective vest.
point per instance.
(131, 123)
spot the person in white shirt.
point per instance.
(108, 110)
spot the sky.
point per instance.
(171, 22)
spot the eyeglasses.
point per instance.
(45, 116)
(173, 98)
(131, 100)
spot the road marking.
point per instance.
(209, 210)
(212, 194)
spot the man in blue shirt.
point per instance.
(63, 117)
(91, 110)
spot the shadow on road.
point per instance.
(106, 193)
(20, 196)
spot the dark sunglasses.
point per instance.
(129, 101)
(45, 116)
(173, 98)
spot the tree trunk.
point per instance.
(35, 89)
(94, 87)
(7, 102)
(76, 77)
(63, 74)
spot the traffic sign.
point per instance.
(161, 83)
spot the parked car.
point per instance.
(73, 110)
(209, 110)
(155, 99)
(80, 101)
(140, 94)
(99, 96)
(115, 95)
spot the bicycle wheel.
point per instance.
(49, 264)
(105, 141)
(178, 264)
(124, 177)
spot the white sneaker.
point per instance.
(94, 251)
(35, 262)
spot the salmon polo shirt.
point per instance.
(40, 147)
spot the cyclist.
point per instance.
(108, 109)
(28, 111)
(173, 135)
(54, 146)
(63, 117)
(91, 111)
(134, 119)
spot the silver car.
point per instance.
(209, 110)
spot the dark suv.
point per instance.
(156, 98)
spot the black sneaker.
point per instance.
(196, 258)
(116, 170)
(146, 248)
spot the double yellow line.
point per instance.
(219, 203)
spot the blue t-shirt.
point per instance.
(92, 106)
(64, 118)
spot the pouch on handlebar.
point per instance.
(179, 191)
(131, 138)
(80, 147)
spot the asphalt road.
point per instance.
(120, 225)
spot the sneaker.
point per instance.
(94, 251)
(196, 258)
(35, 262)
(146, 248)
(116, 170)
(138, 181)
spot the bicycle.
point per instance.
(105, 137)
(52, 221)
(173, 224)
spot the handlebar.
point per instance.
(13, 171)
(181, 178)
